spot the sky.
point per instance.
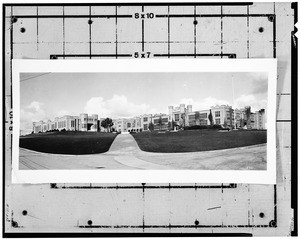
(45, 96)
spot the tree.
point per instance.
(197, 118)
(170, 125)
(183, 120)
(107, 124)
(225, 122)
(174, 124)
(242, 123)
(248, 116)
(151, 126)
(160, 123)
(210, 117)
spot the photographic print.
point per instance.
(206, 120)
(149, 119)
(156, 118)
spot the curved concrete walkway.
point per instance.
(124, 149)
(124, 153)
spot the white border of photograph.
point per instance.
(147, 176)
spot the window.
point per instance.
(156, 121)
(72, 123)
(192, 117)
(203, 122)
(164, 120)
(145, 119)
(217, 114)
(203, 115)
(128, 125)
(218, 121)
(176, 117)
(145, 127)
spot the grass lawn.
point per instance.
(198, 140)
(68, 142)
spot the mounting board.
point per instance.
(165, 30)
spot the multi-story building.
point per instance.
(83, 122)
(244, 118)
(128, 124)
(145, 121)
(87, 123)
(160, 121)
(259, 119)
(180, 116)
(221, 115)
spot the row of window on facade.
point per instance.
(182, 116)
(72, 123)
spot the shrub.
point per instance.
(216, 126)
(196, 127)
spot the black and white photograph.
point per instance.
(153, 120)
(206, 120)
(149, 118)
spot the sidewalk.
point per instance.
(124, 153)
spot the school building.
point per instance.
(177, 117)
(83, 122)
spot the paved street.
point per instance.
(124, 153)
